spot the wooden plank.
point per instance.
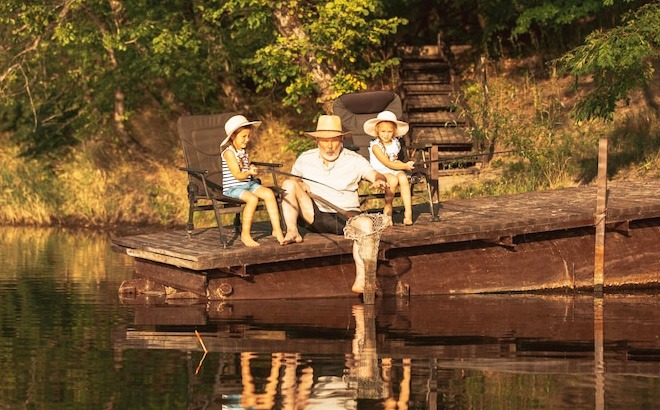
(425, 102)
(187, 280)
(435, 118)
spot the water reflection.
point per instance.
(68, 341)
(511, 351)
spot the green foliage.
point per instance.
(321, 49)
(64, 65)
(298, 145)
(543, 154)
(558, 13)
(70, 71)
(618, 60)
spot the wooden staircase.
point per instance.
(438, 133)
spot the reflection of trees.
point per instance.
(80, 256)
(54, 318)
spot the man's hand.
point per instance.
(379, 184)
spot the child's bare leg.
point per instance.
(406, 197)
(273, 212)
(392, 183)
(251, 201)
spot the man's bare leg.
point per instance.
(290, 211)
(360, 271)
(364, 225)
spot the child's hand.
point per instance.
(410, 165)
(253, 170)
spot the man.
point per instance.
(326, 194)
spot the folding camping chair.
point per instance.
(355, 109)
(201, 136)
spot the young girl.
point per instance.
(238, 178)
(383, 155)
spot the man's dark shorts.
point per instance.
(325, 222)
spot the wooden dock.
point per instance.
(527, 242)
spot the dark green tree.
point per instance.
(619, 60)
(317, 49)
(71, 70)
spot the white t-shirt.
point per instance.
(344, 174)
(392, 152)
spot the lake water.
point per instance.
(67, 341)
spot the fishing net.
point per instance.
(365, 229)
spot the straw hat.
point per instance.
(389, 116)
(327, 126)
(236, 122)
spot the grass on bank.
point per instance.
(528, 115)
(524, 111)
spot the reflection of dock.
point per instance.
(528, 242)
(512, 333)
(426, 353)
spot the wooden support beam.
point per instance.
(601, 213)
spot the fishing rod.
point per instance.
(341, 211)
(346, 214)
(451, 158)
(296, 176)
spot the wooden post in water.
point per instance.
(599, 356)
(601, 213)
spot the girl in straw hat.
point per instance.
(383, 156)
(238, 178)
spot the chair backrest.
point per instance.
(201, 136)
(355, 109)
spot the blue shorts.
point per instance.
(236, 191)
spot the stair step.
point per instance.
(432, 89)
(436, 118)
(430, 101)
(457, 139)
(428, 59)
(431, 81)
(423, 102)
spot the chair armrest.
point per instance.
(266, 164)
(194, 170)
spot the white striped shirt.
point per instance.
(243, 158)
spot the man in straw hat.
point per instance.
(326, 194)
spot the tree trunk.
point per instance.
(289, 26)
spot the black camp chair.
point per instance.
(201, 136)
(355, 109)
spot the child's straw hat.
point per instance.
(236, 122)
(389, 116)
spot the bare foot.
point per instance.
(279, 236)
(358, 285)
(388, 220)
(291, 238)
(248, 241)
(407, 218)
